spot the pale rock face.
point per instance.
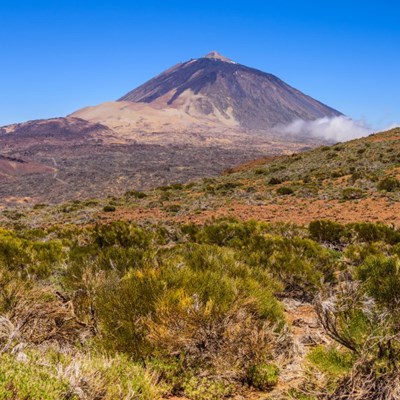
(214, 55)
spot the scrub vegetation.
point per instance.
(159, 294)
(125, 311)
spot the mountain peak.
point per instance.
(217, 56)
(215, 87)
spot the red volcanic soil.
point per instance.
(298, 211)
(14, 167)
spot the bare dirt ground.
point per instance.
(291, 210)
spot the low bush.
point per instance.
(331, 361)
(381, 280)
(351, 193)
(136, 194)
(51, 375)
(275, 181)
(327, 231)
(263, 376)
(389, 184)
(284, 191)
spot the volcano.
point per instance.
(215, 86)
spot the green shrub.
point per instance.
(284, 191)
(389, 184)
(263, 376)
(331, 361)
(54, 376)
(26, 257)
(201, 286)
(381, 278)
(274, 181)
(369, 232)
(225, 232)
(109, 208)
(301, 265)
(30, 380)
(136, 194)
(228, 186)
(351, 193)
(173, 208)
(39, 206)
(207, 389)
(326, 231)
(121, 233)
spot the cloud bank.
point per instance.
(336, 129)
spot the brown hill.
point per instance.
(348, 182)
(14, 167)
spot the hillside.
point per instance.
(153, 295)
(352, 181)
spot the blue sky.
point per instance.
(57, 56)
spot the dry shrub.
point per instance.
(371, 333)
(42, 317)
(225, 347)
(99, 377)
(367, 384)
(8, 333)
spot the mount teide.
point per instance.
(194, 120)
(214, 85)
(208, 93)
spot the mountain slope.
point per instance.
(348, 182)
(11, 168)
(216, 86)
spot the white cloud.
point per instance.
(392, 126)
(336, 129)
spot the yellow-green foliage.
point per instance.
(331, 361)
(298, 263)
(56, 376)
(28, 257)
(381, 280)
(30, 380)
(207, 389)
(197, 285)
(199, 305)
(263, 376)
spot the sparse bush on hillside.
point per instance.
(389, 184)
(198, 285)
(284, 191)
(136, 194)
(263, 376)
(351, 193)
(369, 233)
(274, 181)
(362, 317)
(46, 375)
